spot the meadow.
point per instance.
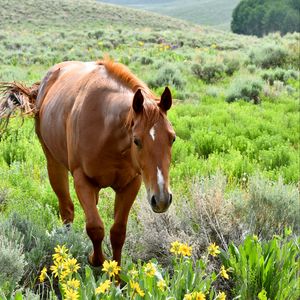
(233, 230)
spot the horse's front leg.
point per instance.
(123, 203)
(88, 197)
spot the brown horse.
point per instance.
(101, 123)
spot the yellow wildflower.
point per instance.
(57, 268)
(43, 274)
(71, 294)
(161, 285)
(133, 273)
(63, 274)
(141, 44)
(111, 267)
(188, 297)
(103, 287)
(150, 269)
(175, 247)
(61, 253)
(223, 273)
(213, 249)
(72, 284)
(185, 250)
(72, 265)
(198, 296)
(221, 296)
(136, 288)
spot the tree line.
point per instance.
(260, 17)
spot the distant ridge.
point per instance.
(215, 13)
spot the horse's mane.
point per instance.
(127, 78)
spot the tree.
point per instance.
(259, 17)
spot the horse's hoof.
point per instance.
(92, 262)
(68, 226)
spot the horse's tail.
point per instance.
(14, 97)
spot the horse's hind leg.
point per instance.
(58, 176)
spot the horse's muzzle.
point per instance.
(161, 204)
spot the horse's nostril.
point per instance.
(171, 198)
(153, 201)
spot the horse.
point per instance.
(102, 124)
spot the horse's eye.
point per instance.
(137, 142)
(174, 139)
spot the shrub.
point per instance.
(269, 56)
(12, 258)
(203, 217)
(167, 75)
(279, 74)
(269, 207)
(231, 65)
(209, 71)
(246, 88)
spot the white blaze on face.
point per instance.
(152, 133)
(160, 181)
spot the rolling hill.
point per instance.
(216, 13)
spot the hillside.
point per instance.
(215, 13)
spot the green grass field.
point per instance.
(235, 162)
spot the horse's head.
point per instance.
(152, 139)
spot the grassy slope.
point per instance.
(209, 12)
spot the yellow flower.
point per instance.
(136, 288)
(213, 249)
(161, 285)
(63, 274)
(188, 297)
(133, 273)
(141, 44)
(72, 284)
(61, 253)
(103, 287)
(198, 296)
(221, 296)
(150, 269)
(71, 294)
(72, 265)
(43, 274)
(224, 273)
(175, 246)
(185, 250)
(57, 268)
(111, 267)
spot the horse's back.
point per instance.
(80, 114)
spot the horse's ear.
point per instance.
(165, 100)
(138, 101)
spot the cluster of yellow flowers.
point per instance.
(181, 249)
(194, 296)
(112, 269)
(64, 267)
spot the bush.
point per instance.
(168, 75)
(269, 56)
(246, 88)
(269, 207)
(279, 74)
(12, 258)
(231, 65)
(209, 71)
